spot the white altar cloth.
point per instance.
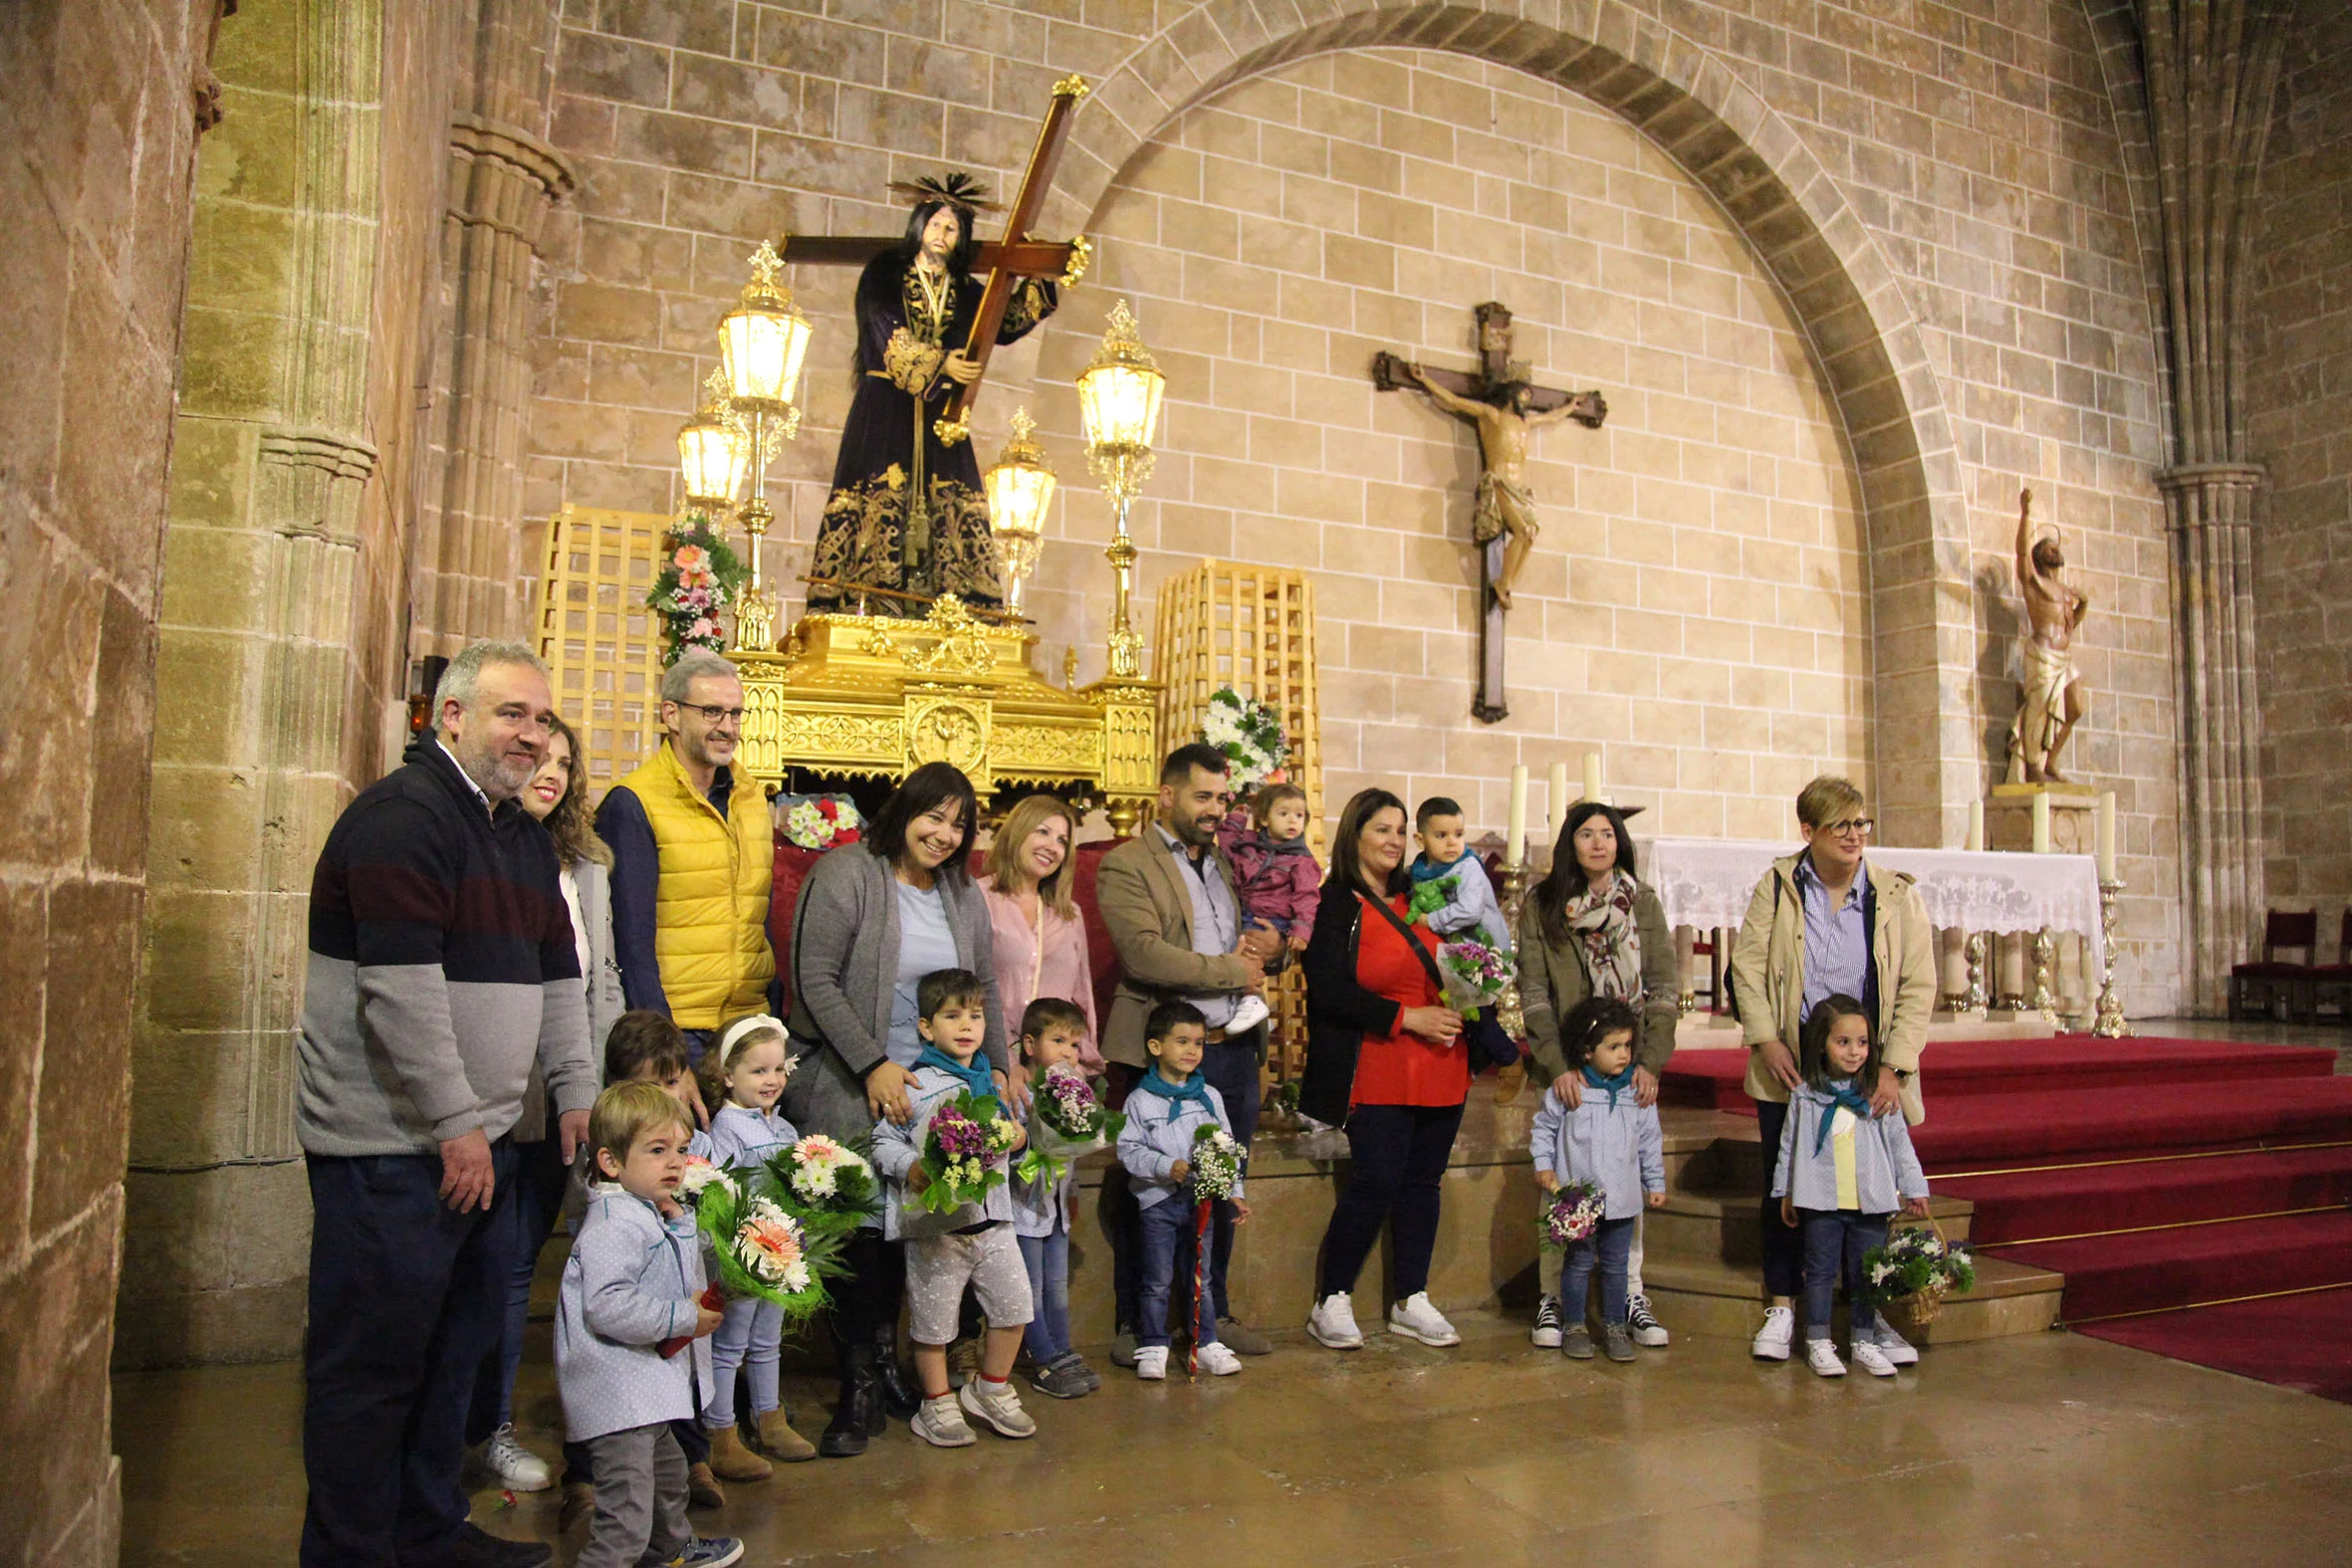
(1707, 882)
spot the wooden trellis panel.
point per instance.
(601, 643)
(1223, 623)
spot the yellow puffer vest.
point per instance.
(711, 910)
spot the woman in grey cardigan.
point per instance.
(1592, 927)
(872, 920)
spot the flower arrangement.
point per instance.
(1065, 1121)
(757, 1249)
(1474, 974)
(1917, 1269)
(699, 581)
(700, 1175)
(825, 1184)
(821, 822)
(1216, 1163)
(1570, 1216)
(1249, 733)
(1431, 896)
(964, 1151)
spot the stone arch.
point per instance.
(1840, 290)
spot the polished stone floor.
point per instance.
(2051, 1449)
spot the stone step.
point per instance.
(1728, 1226)
(1727, 1301)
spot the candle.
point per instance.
(1514, 843)
(2107, 836)
(2041, 822)
(1592, 776)
(1555, 801)
(1976, 840)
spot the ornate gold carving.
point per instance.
(1082, 252)
(949, 431)
(948, 730)
(877, 643)
(911, 362)
(1023, 749)
(1072, 85)
(961, 648)
(816, 738)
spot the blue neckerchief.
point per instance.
(1623, 1080)
(1193, 1088)
(975, 1076)
(1427, 870)
(1842, 1093)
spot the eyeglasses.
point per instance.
(1859, 826)
(712, 716)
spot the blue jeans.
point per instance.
(539, 1201)
(1168, 1244)
(1834, 1241)
(1610, 1243)
(1048, 1258)
(405, 1301)
(1230, 1069)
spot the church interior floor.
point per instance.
(2047, 1448)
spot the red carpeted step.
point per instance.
(2149, 1270)
(1711, 1077)
(1972, 1130)
(2299, 1343)
(2027, 1205)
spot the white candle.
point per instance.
(2041, 822)
(1555, 801)
(2107, 836)
(1515, 842)
(1592, 776)
(1976, 839)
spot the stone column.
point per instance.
(504, 178)
(2211, 71)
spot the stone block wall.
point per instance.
(1277, 225)
(97, 104)
(2300, 345)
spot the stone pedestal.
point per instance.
(2009, 817)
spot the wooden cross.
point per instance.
(1504, 405)
(1006, 262)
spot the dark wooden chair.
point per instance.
(2262, 986)
(2332, 982)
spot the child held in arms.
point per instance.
(1275, 879)
(1469, 912)
(1841, 1173)
(1613, 1142)
(1165, 1111)
(971, 1247)
(1052, 1030)
(748, 1070)
(633, 1281)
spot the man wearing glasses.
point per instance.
(693, 859)
(1821, 924)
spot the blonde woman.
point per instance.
(1040, 939)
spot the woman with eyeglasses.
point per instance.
(1592, 929)
(874, 919)
(1822, 923)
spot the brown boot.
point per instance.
(733, 1461)
(783, 1445)
(702, 1488)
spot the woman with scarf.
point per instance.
(1590, 928)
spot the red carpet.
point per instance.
(2299, 1343)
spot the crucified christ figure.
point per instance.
(1506, 508)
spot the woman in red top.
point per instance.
(1385, 1056)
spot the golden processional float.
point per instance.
(860, 694)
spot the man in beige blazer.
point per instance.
(1167, 896)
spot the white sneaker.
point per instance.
(1893, 1346)
(1871, 1359)
(940, 1423)
(1218, 1360)
(1546, 1335)
(1247, 1016)
(517, 1468)
(1647, 1330)
(1333, 1323)
(998, 1408)
(1772, 1341)
(1415, 1318)
(1821, 1356)
(1151, 1363)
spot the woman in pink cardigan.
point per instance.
(1040, 939)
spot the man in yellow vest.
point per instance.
(693, 856)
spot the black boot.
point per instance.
(858, 1409)
(898, 1393)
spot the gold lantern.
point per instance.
(1020, 488)
(712, 454)
(762, 343)
(1119, 396)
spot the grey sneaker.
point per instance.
(1078, 1368)
(940, 1423)
(1059, 1379)
(996, 1407)
(1122, 1346)
(1617, 1341)
(1243, 1340)
(709, 1551)
(1575, 1342)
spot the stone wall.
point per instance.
(97, 104)
(1914, 241)
(2301, 321)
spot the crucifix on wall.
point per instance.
(1503, 401)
